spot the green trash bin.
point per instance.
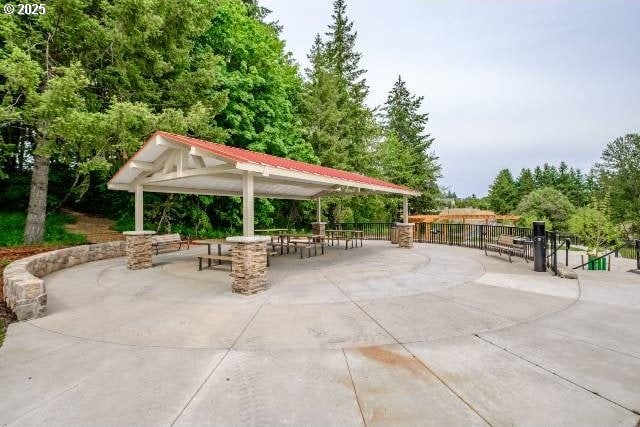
(595, 263)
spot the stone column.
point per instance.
(138, 249)
(248, 264)
(405, 234)
(318, 228)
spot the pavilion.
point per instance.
(170, 163)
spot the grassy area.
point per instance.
(12, 229)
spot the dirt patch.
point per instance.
(390, 358)
(96, 229)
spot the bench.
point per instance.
(505, 245)
(212, 257)
(162, 241)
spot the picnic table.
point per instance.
(279, 231)
(302, 241)
(347, 235)
(209, 257)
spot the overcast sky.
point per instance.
(507, 84)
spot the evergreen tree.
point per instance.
(358, 127)
(321, 114)
(525, 183)
(503, 193)
(341, 52)
(619, 175)
(405, 129)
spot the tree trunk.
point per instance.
(34, 229)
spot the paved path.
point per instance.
(371, 336)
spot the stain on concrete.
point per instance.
(387, 357)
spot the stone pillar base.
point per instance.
(319, 228)
(248, 264)
(138, 249)
(405, 234)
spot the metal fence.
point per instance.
(474, 236)
(371, 230)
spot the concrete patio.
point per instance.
(435, 335)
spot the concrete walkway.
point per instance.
(435, 335)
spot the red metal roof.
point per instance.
(241, 155)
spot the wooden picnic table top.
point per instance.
(210, 242)
(269, 230)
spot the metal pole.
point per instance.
(554, 235)
(567, 244)
(638, 254)
(539, 247)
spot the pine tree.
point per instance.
(357, 127)
(321, 113)
(503, 193)
(525, 183)
(341, 52)
(404, 122)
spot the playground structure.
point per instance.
(430, 228)
(466, 216)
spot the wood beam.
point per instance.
(150, 188)
(211, 170)
(170, 161)
(247, 204)
(144, 166)
(405, 209)
(139, 208)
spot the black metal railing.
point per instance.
(466, 235)
(371, 230)
(631, 245)
(477, 235)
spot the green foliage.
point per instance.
(619, 176)
(592, 225)
(547, 203)
(474, 202)
(503, 193)
(12, 226)
(260, 80)
(527, 220)
(525, 183)
(405, 155)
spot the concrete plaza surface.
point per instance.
(434, 335)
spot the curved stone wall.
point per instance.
(24, 290)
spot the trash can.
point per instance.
(597, 263)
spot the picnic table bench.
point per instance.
(349, 236)
(162, 241)
(208, 257)
(507, 245)
(298, 241)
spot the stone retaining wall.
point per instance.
(24, 289)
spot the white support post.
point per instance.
(247, 204)
(405, 209)
(139, 202)
(319, 211)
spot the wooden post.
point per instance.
(318, 211)
(405, 209)
(247, 204)
(139, 209)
